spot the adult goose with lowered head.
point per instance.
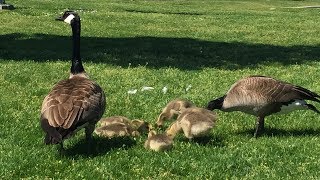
(262, 96)
(74, 103)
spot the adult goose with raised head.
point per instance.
(73, 103)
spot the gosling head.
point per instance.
(141, 126)
(158, 142)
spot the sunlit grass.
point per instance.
(130, 44)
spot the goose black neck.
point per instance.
(76, 67)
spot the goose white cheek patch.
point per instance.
(69, 18)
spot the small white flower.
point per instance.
(188, 87)
(132, 91)
(146, 88)
(165, 90)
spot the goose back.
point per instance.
(70, 104)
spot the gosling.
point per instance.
(158, 142)
(114, 130)
(172, 110)
(119, 126)
(194, 122)
(114, 120)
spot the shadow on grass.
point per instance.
(156, 52)
(272, 132)
(100, 146)
(157, 12)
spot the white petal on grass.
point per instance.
(132, 91)
(188, 87)
(165, 90)
(146, 88)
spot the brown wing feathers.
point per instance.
(65, 104)
(279, 91)
(284, 92)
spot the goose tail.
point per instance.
(307, 94)
(313, 108)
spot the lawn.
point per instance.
(126, 45)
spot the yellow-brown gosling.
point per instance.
(118, 126)
(158, 142)
(140, 127)
(114, 130)
(114, 119)
(172, 110)
(194, 122)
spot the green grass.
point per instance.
(130, 44)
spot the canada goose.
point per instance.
(158, 142)
(73, 103)
(172, 109)
(194, 122)
(262, 96)
(114, 120)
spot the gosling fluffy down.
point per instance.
(114, 130)
(173, 109)
(118, 126)
(194, 122)
(114, 120)
(158, 142)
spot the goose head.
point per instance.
(216, 104)
(69, 17)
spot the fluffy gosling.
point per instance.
(119, 126)
(173, 109)
(114, 120)
(158, 142)
(194, 122)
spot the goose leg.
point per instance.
(259, 126)
(61, 149)
(61, 145)
(89, 130)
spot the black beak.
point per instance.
(59, 19)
